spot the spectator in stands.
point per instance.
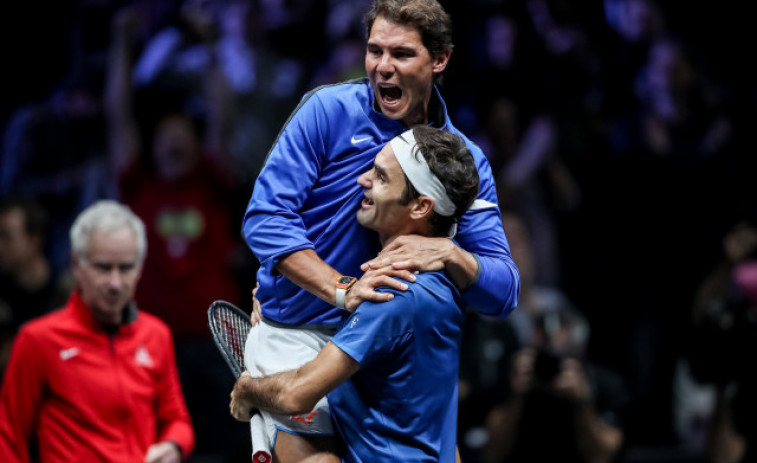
(724, 331)
(553, 402)
(29, 285)
(174, 175)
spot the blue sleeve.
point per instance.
(272, 225)
(496, 288)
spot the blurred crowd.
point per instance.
(619, 132)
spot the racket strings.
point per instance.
(236, 335)
(230, 328)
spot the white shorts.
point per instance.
(273, 348)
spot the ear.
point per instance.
(441, 60)
(422, 208)
(75, 266)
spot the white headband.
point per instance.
(418, 173)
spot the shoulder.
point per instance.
(355, 87)
(427, 287)
(148, 321)
(47, 331)
(44, 323)
(331, 103)
(434, 283)
(476, 151)
(343, 94)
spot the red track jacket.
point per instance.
(90, 396)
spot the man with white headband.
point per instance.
(391, 370)
(317, 264)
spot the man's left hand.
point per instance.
(413, 252)
(571, 382)
(163, 452)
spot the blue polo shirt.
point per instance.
(402, 403)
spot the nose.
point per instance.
(364, 179)
(385, 65)
(115, 279)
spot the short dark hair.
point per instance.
(452, 163)
(35, 216)
(428, 16)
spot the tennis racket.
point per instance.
(229, 326)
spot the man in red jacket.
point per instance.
(96, 381)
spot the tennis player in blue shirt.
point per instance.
(391, 371)
(300, 219)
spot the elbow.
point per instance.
(511, 294)
(497, 296)
(295, 402)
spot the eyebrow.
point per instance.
(380, 171)
(394, 49)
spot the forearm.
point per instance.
(117, 87)
(502, 425)
(296, 391)
(461, 266)
(308, 271)
(598, 441)
(122, 131)
(725, 445)
(496, 289)
(221, 108)
(276, 394)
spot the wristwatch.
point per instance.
(343, 284)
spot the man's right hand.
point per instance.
(257, 313)
(240, 408)
(163, 452)
(365, 288)
(522, 374)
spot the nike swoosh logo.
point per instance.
(355, 141)
(67, 354)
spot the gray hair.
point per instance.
(106, 215)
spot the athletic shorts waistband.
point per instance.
(320, 327)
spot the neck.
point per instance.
(420, 229)
(387, 240)
(34, 275)
(420, 116)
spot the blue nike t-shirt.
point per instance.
(402, 403)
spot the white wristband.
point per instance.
(340, 294)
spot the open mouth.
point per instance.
(367, 202)
(390, 94)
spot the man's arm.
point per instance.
(273, 227)
(173, 421)
(19, 400)
(309, 272)
(481, 266)
(292, 392)
(598, 441)
(417, 252)
(123, 135)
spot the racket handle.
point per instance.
(261, 444)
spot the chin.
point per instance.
(362, 220)
(396, 114)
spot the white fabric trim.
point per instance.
(481, 204)
(418, 173)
